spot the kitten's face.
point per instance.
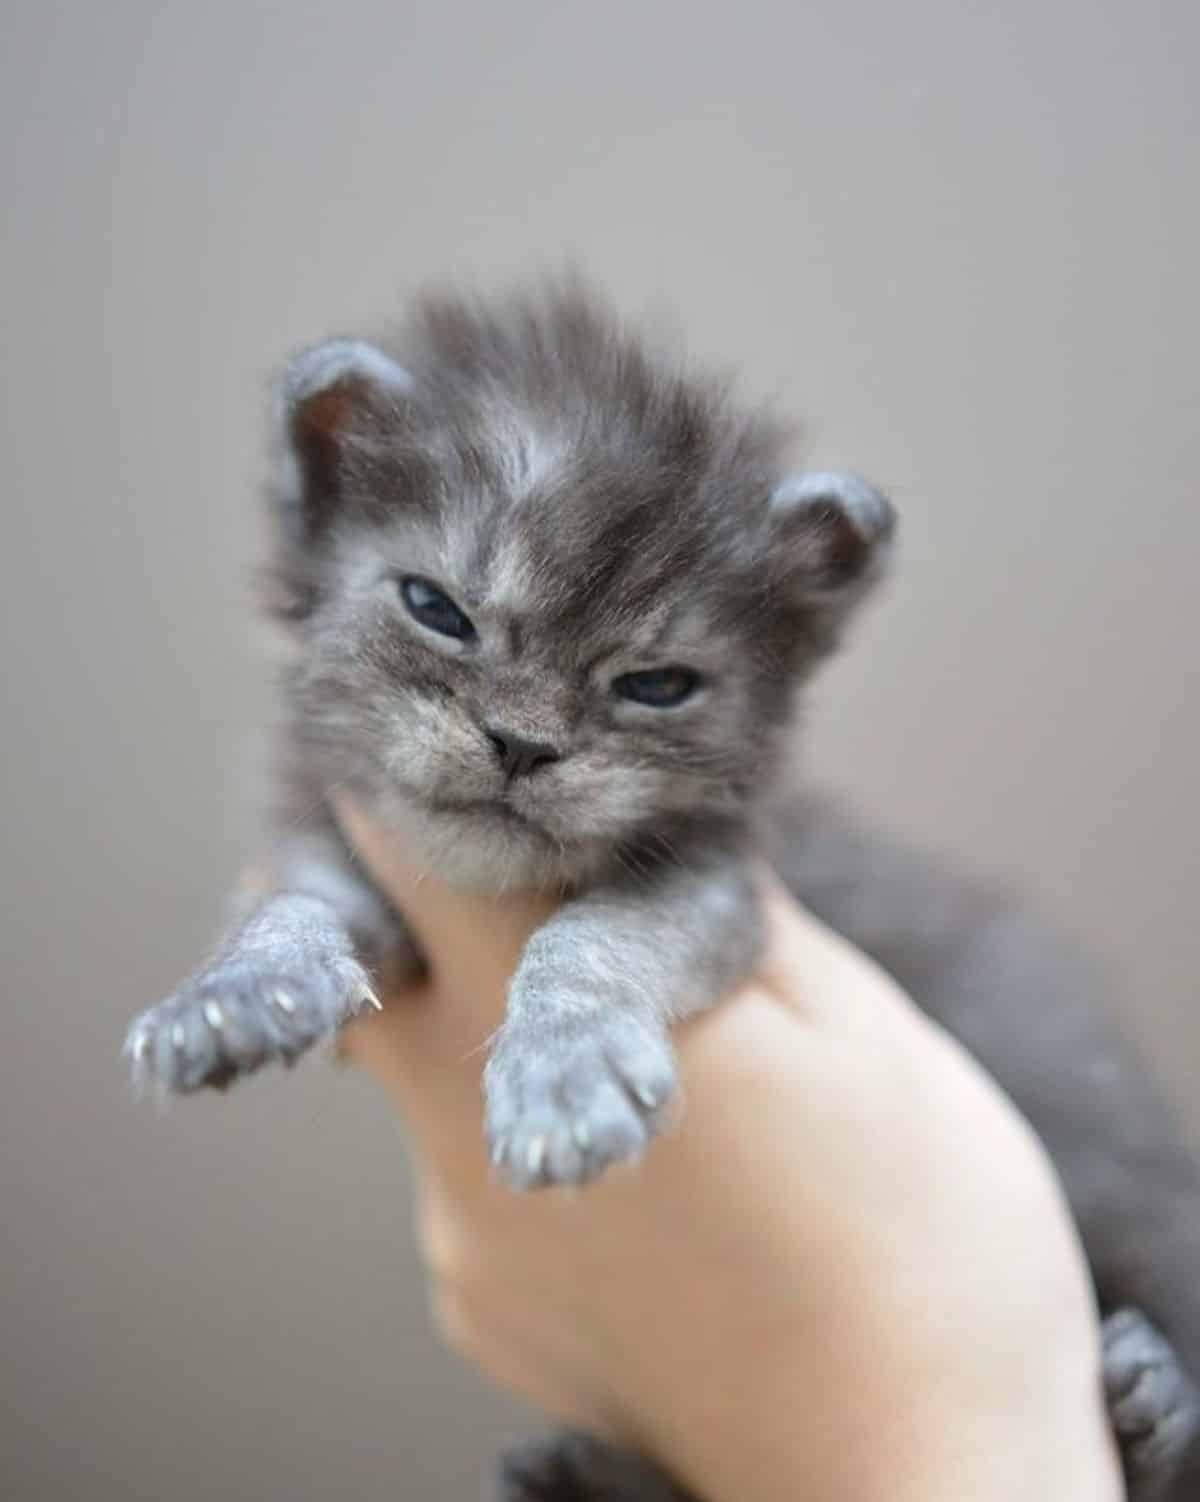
(558, 653)
(521, 725)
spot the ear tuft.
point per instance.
(319, 396)
(833, 530)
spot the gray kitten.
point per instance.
(553, 604)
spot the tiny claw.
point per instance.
(583, 1138)
(284, 1002)
(536, 1156)
(497, 1154)
(649, 1096)
(367, 995)
(138, 1046)
(214, 1016)
(178, 1036)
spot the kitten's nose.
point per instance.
(518, 756)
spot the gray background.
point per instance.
(965, 245)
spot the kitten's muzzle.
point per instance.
(517, 756)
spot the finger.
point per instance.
(819, 976)
(497, 1349)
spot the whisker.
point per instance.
(481, 1046)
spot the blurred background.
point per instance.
(961, 240)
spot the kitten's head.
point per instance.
(552, 598)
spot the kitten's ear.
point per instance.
(831, 535)
(325, 398)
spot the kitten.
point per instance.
(553, 604)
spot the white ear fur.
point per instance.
(339, 362)
(834, 527)
(313, 400)
(870, 513)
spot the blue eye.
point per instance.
(434, 610)
(660, 688)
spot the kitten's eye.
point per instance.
(434, 610)
(660, 688)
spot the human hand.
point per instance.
(848, 1272)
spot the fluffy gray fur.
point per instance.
(592, 512)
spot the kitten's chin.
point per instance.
(484, 848)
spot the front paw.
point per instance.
(565, 1099)
(251, 1006)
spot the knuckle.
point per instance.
(454, 1319)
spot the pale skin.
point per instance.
(847, 1271)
